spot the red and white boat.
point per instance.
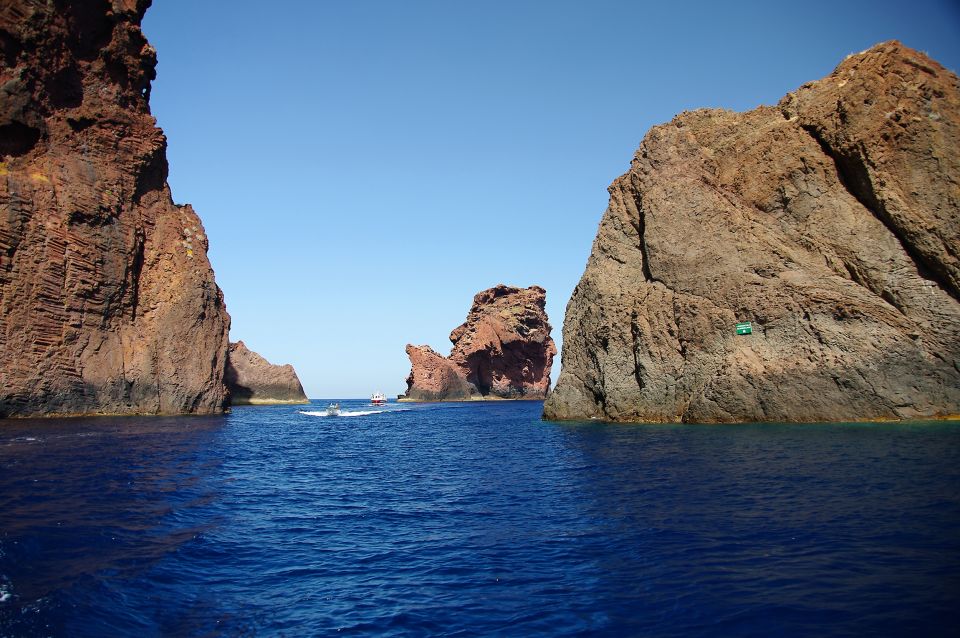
(378, 399)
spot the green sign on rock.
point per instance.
(744, 328)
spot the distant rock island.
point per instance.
(252, 380)
(108, 303)
(830, 223)
(502, 351)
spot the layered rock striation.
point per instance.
(831, 222)
(108, 303)
(502, 351)
(252, 380)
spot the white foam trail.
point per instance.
(351, 412)
(344, 413)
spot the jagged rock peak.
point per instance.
(108, 303)
(503, 350)
(830, 222)
(252, 380)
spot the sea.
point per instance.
(475, 519)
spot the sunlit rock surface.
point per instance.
(830, 222)
(108, 304)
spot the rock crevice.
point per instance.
(853, 174)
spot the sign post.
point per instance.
(744, 328)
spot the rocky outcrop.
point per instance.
(108, 303)
(502, 351)
(252, 380)
(831, 222)
(433, 377)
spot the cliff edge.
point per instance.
(502, 351)
(108, 304)
(252, 380)
(830, 223)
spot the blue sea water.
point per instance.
(475, 519)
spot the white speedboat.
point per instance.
(333, 409)
(378, 398)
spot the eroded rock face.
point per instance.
(831, 222)
(433, 377)
(108, 303)
(503, 350)
(252, 380)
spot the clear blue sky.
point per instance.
(364, 168)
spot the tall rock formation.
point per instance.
(252, 380)
(831, 222)
(108, 303)
(503, 350)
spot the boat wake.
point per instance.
(349, 412)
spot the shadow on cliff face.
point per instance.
(81, 400)
(510, 373)
(238, 392)
(876, 390)
(18, 139)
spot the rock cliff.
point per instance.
(503, 350)
(108, 303)
(831, 222)
(252, 380)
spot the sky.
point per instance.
(363, 168)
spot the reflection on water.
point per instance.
(475, 519)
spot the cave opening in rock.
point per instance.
(17, 139)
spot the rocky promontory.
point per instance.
(502, 351)
(108, 303)
(252, 380)
(830, 223)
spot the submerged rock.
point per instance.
(108, 303)
(503, 350)
(252, 380)
(831, 222)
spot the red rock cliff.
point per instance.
(503, 350)
(831, 222)
(252, 380)
(108, 303)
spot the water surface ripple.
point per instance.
(475, 519)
